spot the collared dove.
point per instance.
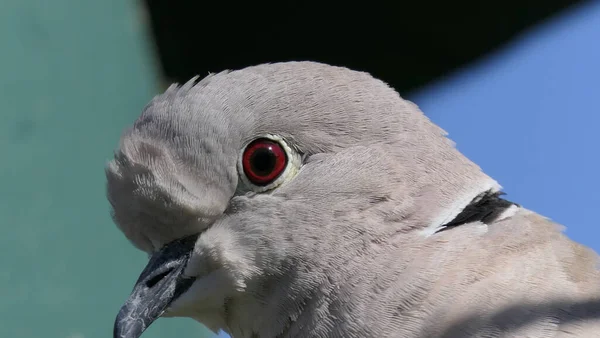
(301, 199)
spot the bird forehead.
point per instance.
(316, 107)
(163, 189)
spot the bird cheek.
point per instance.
(207, 294)
(219, 249)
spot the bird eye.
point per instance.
(263, 161)
(266, 162)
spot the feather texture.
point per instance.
(349, 247)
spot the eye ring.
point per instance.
(266, 162)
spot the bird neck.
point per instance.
(487, 208)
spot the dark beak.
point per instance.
(161, 282)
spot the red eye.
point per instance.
(263, 161)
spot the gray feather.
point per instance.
(350, 246)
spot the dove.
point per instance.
(301, 199)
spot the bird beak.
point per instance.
(161, 282)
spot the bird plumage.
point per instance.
(362, 240)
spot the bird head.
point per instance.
(252, 190)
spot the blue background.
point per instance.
(529, 115)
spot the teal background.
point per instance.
(73, 74)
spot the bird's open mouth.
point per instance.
(161, 282)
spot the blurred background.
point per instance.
(516, 84)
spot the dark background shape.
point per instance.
(406, 43)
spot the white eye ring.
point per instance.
(286, 166)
